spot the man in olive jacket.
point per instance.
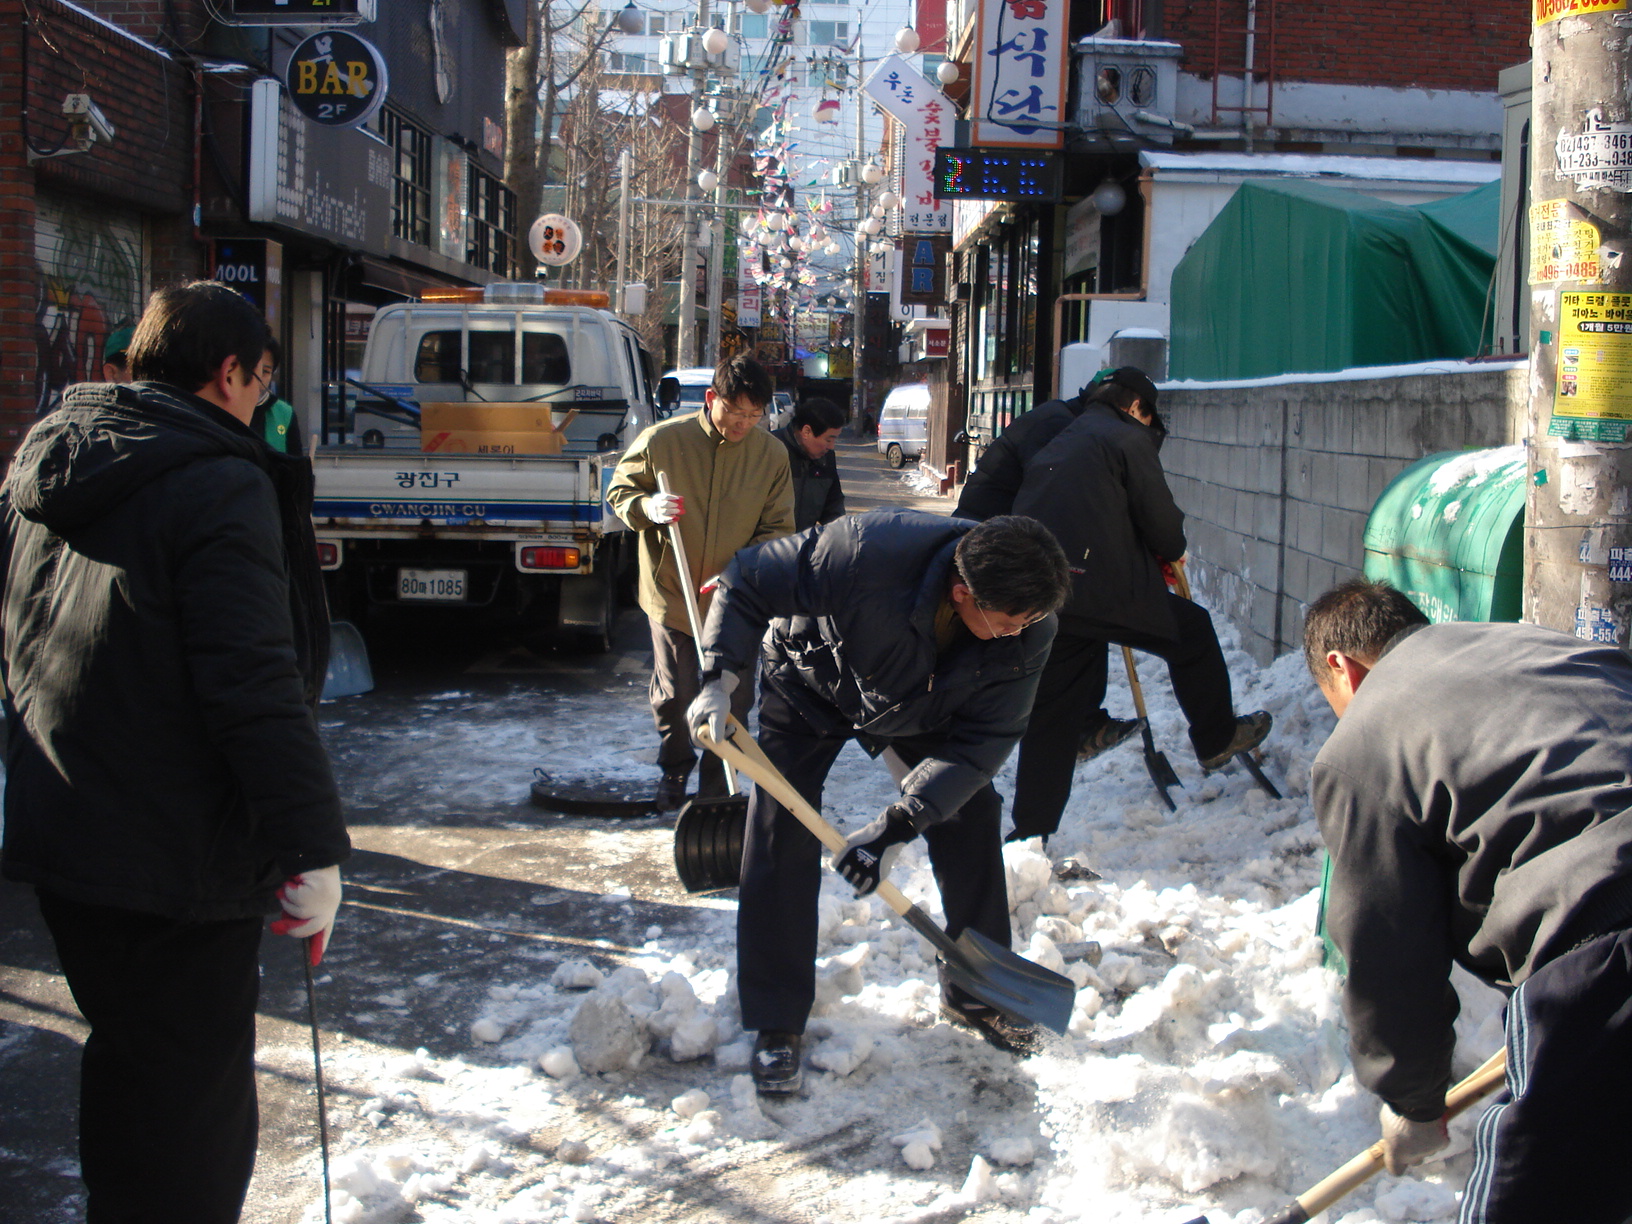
(729, 486)
(915, 634)
(1476, 798)
(165, 641)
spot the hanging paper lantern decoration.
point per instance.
(714, 42)
(872, 172)
(708, 180)
(702, 119)
(946, 72)
(889, 200)
(906, 40)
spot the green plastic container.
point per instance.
(1449, 532)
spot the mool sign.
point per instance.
(336, 79)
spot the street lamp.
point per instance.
(906, 40)
(630, 20)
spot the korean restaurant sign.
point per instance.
(1020, 73)
(926, 117)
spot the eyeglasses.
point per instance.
(1012, 631)
(266, 388)
(748, 418)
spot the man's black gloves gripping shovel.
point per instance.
(872, 850)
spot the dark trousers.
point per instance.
(1552, 1147)
(168, 1119)
(782, 870)
(676, 679)
(1072, 689)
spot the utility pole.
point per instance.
(858, 315)
(1578, 520)
(727, 128)
(687, 336)
(623, 227)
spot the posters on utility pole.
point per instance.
(924, 113)
(1593, 400)
(1563, 244)
(1552, 10)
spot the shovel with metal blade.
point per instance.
(976, 964)
(1489, 1077)
(1156, 763)
(708, 832)
(349, 673)
(1181, 583)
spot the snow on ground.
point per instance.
(1204, 1071)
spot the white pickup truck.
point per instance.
(524, 536)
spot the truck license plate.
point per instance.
(446, 586)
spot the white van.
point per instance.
(685, 393)
(903, 423)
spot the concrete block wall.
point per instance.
(1276, 481)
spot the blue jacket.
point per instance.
(851, 610)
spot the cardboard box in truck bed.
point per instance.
(465, 428)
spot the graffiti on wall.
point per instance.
(91, 282)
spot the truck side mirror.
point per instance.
(668, 394)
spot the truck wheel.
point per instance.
(894, 456)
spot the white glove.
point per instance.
(712, 706)
(310, 901)
(663, 508)
(1407, 1143)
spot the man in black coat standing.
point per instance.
(1099, 487)
(165, 643)
(810, 437)
(911, 633)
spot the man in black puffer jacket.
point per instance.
(1099, 487)
(165, 643)
(911, 633)
(810, 438)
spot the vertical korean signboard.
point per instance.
(925, 114)
(1018, 97)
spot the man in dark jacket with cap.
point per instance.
(995, 483)
(915, 634)
(1099, 487)
(165, 642)
(1476, 798)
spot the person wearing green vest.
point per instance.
(275, 421)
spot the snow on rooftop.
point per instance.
(1354, 374)
(1311, 165)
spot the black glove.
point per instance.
(872, 850)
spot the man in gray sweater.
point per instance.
(1474, 798)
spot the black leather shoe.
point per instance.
(671, 791)
(1250, 731)
(775, 1064)
(993, 1027)
(1107, 735)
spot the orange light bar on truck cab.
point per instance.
(451, 295)
(507, 295)
(597, 298)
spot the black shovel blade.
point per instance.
(1002, 979)
(1258, 775)
(1160, 770)
(708, 838)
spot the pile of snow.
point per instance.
(1204, 1069)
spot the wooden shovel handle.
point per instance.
(1133, 682)
(1327, 1191)
(740, 750)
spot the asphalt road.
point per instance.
(451, 883)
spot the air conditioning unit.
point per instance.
(1128, 89)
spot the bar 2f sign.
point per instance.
(336, 79)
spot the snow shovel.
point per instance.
(1489, 1077)
(976, 964)
(708, 833)
(1157, 765)
(1182, 583)
(349, 673)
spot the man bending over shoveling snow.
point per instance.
(1475, 798)
(906, 631)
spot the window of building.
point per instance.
(411, 191)
(492, 241)
(829, 33)
(756, 25)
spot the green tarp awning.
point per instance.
(1296, 277)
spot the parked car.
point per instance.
(903, 423)
(780, 412)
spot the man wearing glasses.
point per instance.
(729, 487)
(921, 637)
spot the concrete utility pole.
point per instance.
(687, 335)
(1578, 523)
(858, 304)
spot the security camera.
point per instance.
(79, 107)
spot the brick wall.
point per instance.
(1458, 44)
(1277, 481)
